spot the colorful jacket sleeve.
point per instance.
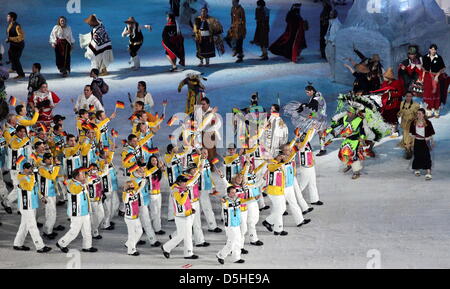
(31, 122)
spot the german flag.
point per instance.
(34, 157)
(20, 160)
(89, 126)
(44, 128)
(172, 120)
(128, 157)
(214, 161)
(154, 150)
(133, 168)
(146, 149)
(64, 133)
(83, 170)
(133, 117)
(120, 104)
(114, 133)
(124, 142)
(105, 149)
(195, 155)
(12, 101)
(91, 107)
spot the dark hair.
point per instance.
(170, 148)
(19, 108)
(230, 188)
(98, 114)
(95, 71)
(13, 15)
(37, 66)
(27, 165)
(276, 106)
(82, 111)
(433, 46)
(205, 99)
(20, 127)
(171, 16)
(409, 91)
(261, 3)
(88, 85)
(47, 156)
(69, 136)
(181, 179)
(131, 136)
(76, 173)
(56, 127)
(309, 87)
(37, 144)
(141, 103)
(143, 83)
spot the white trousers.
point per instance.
(276, 212)
(294, 208)
(184, 233)
(206, 207)
(3, 190)
(170, 212)
(244, 227)
(134, 228)
(357, 166)
(155, 211)
(12, 197)
(28, 224)
(77, 224)
(300, 199)
(50, 215)
(197, 231)
(233, 244)
(97, 215)
(261, 202)
(146, 222)
(252, 220)
(308, 181)
(110, 205)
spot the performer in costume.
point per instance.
(410, 71)
(352, 130)
(45, 101)
(435, 82)
(61, 39)
(207, 31)
(15, 38)
(145, 96)
(407, 113)
(261, 38)
(173, 42)
(136, 39)
(304, 115)
(195, 90)
(291, 43)
(98, 45)
(237, 32)
(391, 99)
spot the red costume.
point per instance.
(391, 100)
(45, 102)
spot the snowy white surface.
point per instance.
(388, 209)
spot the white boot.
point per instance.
(436, 113)
(136, 63)
(130, 61)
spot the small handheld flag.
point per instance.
(133, 168)
(128, 157)
(154, 150)
(120, 104)
(12, 101)
(34, 157)
(214, 161)
(20, 160)
(43, 127)
(91, 108)
(133, 117)
(114, 133)
(172, 120)
(124, 142)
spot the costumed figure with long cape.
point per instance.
(173, 42)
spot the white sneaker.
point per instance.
(436, 113)
(429, 113)
(428, 177)
(417, 173)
